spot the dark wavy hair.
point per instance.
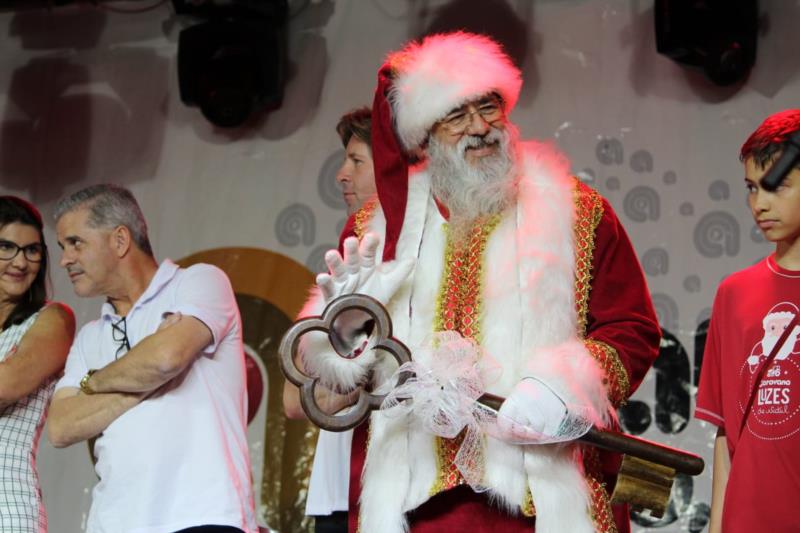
(13, 209)
(358, 123)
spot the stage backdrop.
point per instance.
(90, 94)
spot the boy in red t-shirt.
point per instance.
(756, 483)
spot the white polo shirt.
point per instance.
(178, 459)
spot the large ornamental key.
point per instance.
(648, 468)
(382, 333)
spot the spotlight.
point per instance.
(233, 65)
(717, 36)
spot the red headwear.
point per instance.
(419, 85)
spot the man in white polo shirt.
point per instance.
(159, 379)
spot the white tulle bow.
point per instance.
(449, 374)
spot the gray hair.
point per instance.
(109, 206)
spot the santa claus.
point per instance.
(480, 233)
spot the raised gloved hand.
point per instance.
(357, 272)
(532, 413)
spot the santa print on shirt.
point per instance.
(751, 311)
(775, 409)
(773, 415)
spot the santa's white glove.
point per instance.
(357, 272)
(532, 413)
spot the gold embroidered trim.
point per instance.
(363, 216)
(458, 308)
(588, 212)
(600, 505)
(616, 380)
(459, 302)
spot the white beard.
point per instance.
(470, 191)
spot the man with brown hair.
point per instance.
(328, 487)
(356, 175)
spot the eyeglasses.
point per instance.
(32, 252)
(457, 122)
(119, 332)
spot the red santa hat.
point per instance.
(417, 86)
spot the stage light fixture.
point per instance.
(717, 36)
(232, 64)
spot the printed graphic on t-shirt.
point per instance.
(775, 412)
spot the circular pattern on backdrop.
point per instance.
(641, 161)
(670, 178)
(316, 259)
(612, 183)
(686, 209)
(667, 311)
(655, 261)
(295, 224)
(609, 151)
(717, 234)
(328, 188)
(692, 283)
(642, 203)
(719, 190)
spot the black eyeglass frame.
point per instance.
(28, 248)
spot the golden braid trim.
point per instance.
(616, 376)
(588, 213)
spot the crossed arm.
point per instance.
(121, 385)
(41, 354)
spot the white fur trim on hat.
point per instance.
(444, 71)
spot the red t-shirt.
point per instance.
(751, 310)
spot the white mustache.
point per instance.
(480, 141)
(73, 270)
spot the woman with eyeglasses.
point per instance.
(35, 336)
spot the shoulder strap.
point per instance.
(763, 370)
